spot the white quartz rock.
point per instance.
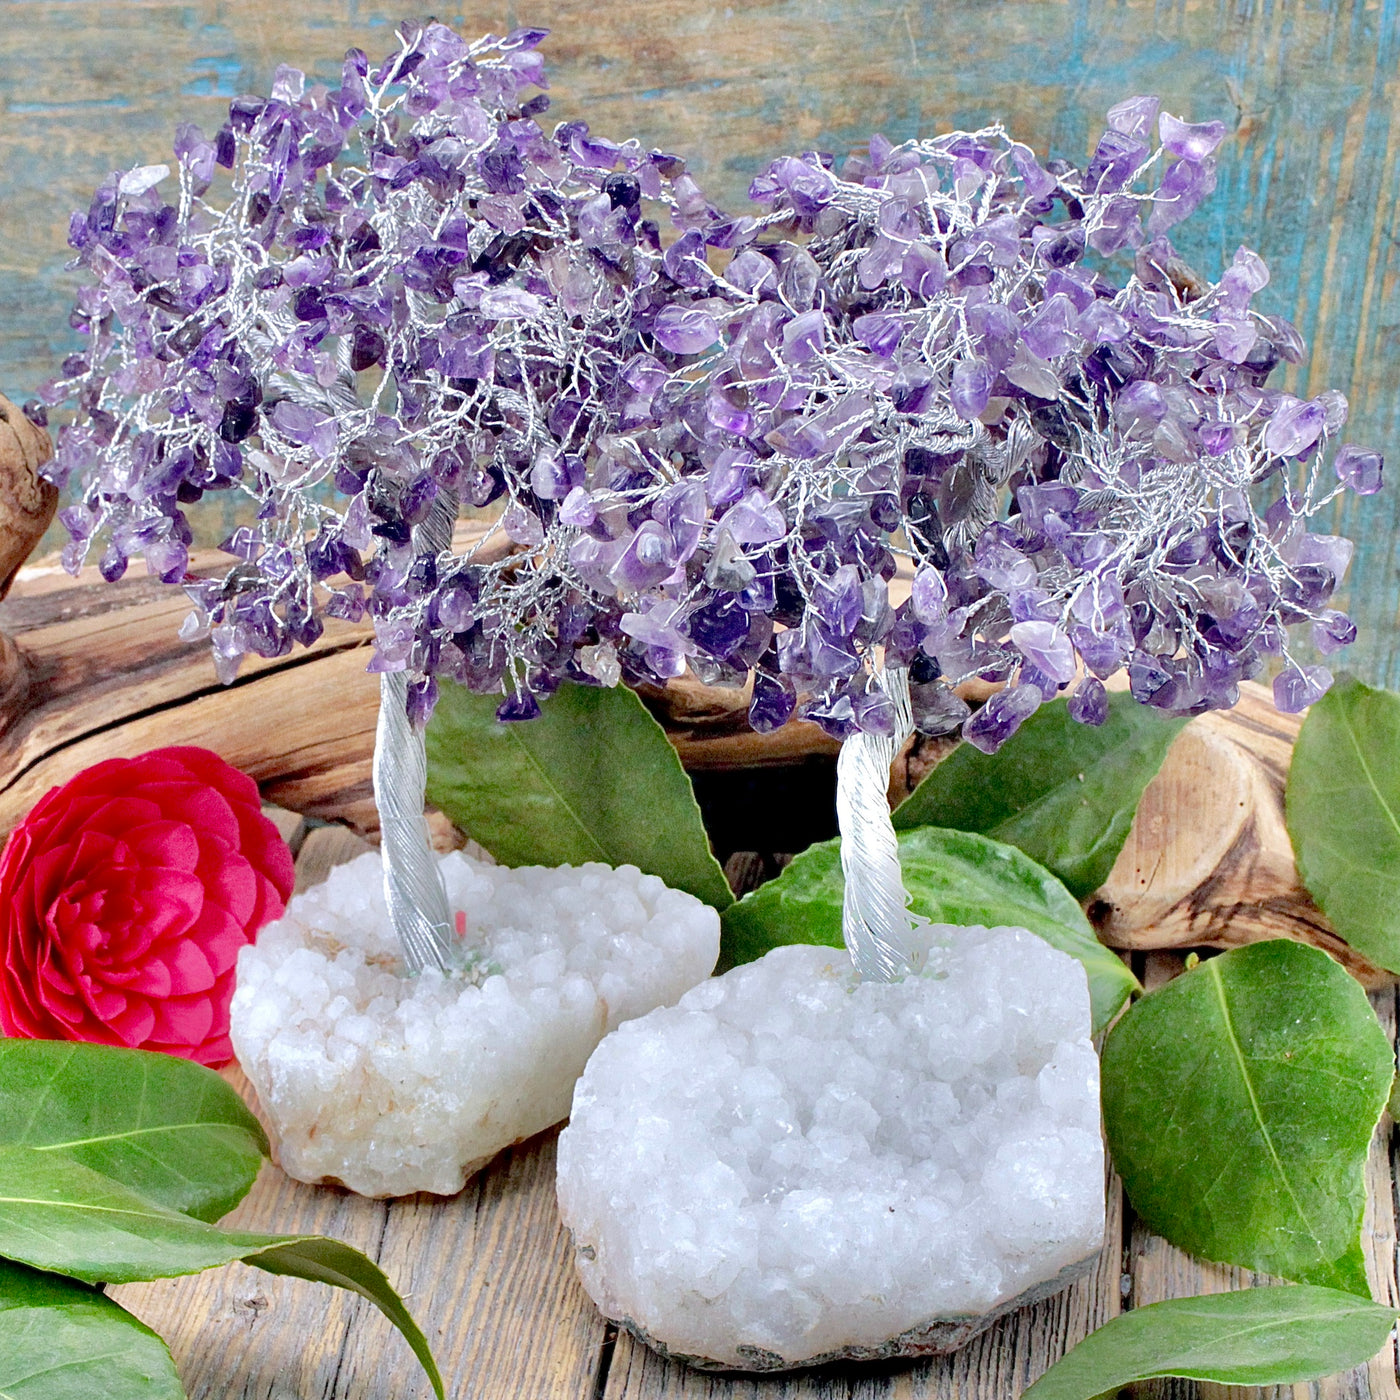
(790, 1165)
(392, 1084)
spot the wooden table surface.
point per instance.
(489, 1275)
(1310, 90)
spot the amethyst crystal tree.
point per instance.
(340, 329)
(705, 450)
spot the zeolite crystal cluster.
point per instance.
(792, 1165)
(392, 1085)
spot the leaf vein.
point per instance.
(127, 1134)
(1219, 984)
(553, 787)
(1370, 777)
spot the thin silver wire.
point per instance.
(413, 887)
(572, 346)
(875, 917)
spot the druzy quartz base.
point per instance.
(791, 1167)
(390, 1084)
(938, 1337)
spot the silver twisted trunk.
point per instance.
(413, 885)
(875, 919)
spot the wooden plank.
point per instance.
(488, 1274)
(241, 1332)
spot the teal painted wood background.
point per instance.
(1310, 92)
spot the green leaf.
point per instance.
(166, 1127)
(1064, 793)
(1343, 812)
(1258, 1336)
(330, 1261)
(953, 877)
(1239, 1101)
(61, 1340)
(593, 778)
(58, 1215)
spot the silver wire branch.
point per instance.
(413, 885)
(875, 916)
(575, 343)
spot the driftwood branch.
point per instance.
(98, 670)
(1208, 862)
(27, 503)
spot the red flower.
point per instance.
(125, 896)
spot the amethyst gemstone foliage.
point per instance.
(704, 437)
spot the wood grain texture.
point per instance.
(90, 670)
(1208, 862)
(1310, 173)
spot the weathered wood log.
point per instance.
(14, 678)
(1208, 862)
(95, 670)
(709, 726)
(108, 676)
(27, 503)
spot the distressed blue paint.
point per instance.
(654, 94)
(62, 106)
(1309, 88)
(215, 76)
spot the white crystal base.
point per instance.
(938, 1337)
(791, 1167)
(390, 1084)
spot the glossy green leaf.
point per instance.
(61, 1340)
(166, 1127)
(1258, 1336)
(58, 1215)
(593, 778)
(330, 1261)
(1344, 815)
(1064, 793)
(953, 877)
(1239, 1101)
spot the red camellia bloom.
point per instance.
(125, 896)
